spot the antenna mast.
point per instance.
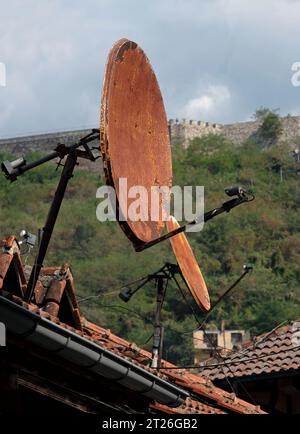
(16, 168)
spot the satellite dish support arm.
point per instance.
(16, 168)
(66, 175)
(209, 215)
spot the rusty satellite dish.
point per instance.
(134, 136)
(189, 267)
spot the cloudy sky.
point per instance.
(216, 60)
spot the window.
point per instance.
(236, 338)
(211, 339)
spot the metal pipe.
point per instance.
(66, 175)
(226, 207)
(22, 169)
(157, 335)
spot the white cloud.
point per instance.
(209, 104)
(5, 114)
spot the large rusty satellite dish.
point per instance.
(189, 267)
(134, 135)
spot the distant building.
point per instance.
(206, 342)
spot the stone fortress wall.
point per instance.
(180, 132)
(185, 130)
(40, 142)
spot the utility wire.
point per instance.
(116, 307)
(202, 325)
(266, 335)
(115, 290)
(181, 291)
(148, 340)
(223, 362)
(197, 320)
(254, 342)
(222, 297)
(203, 367)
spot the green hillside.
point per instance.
(265, 232)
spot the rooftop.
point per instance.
(276, 352)
(53, 322)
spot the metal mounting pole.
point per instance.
(14, 169)
(158, 329)
(66, 175)
(209, 215)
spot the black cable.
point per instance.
(224, 362)
(181, 291)
(190, 306)
(265, 334)
(227, 365)
(214, 305)
(197, 320)
(216, 351)
(146, 320)
(218, 356)
(222, 297)
(116, 289)
(148, 340)
(170, 275)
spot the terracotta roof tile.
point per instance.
(277, 351)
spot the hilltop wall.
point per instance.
(185, 130)
(40, 142)
(180, 132)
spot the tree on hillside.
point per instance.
(270, 123)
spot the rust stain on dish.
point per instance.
(189, 267)
(134, 137)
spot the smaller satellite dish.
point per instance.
(189, 267)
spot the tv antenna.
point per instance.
(161, 279)
(14, 169)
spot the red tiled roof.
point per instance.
(190, 406)
(276, 351)
(206, 397)
(197, 384)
